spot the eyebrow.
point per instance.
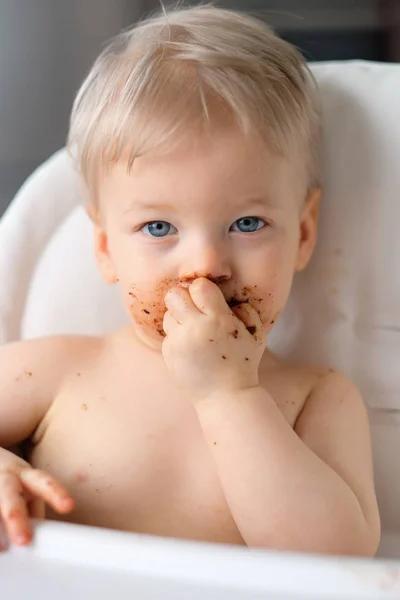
(149, 206)
(258, 200)
(164, 206)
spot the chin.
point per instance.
(149, 335)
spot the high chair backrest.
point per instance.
(344, 309)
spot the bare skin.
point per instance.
(182, 424)
(133, 461)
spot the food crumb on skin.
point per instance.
(235, 334)
(272, 322)
(215, 443)
(252, 329)
(84, 407)
(224, 357)
(78, 374)
(210, 340)
(146, 311)
(246, 358)
(29, 373)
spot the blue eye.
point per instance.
(248, 224)
(158, 229)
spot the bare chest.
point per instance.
(132, 454)
(134, 460)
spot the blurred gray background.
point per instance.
(47, 46)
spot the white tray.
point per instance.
(73, 562)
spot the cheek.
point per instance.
(273, 272)
(146, 305)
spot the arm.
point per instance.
(310, 490)
(30, 373)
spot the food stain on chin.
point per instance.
(148, 308)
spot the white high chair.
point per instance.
(344, 311)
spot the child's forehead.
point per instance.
(222, 175)
(228, 159)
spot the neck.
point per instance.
(145, 336)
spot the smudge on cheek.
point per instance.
(147, 306)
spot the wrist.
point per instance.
(226, 396)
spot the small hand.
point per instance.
(23, 494)
(210, 348)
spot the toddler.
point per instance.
(197, 134)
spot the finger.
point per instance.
(36, 508)
(249, 317)
(169, 323)
(180, 304)
(207, 296)
(13, 510)
(48, 488)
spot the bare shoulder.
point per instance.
(51, 355)
(30, 374)
(291, 384)
(332, 396)
(334, 423)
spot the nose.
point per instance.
(205, 259)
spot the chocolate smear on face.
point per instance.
(232, 302)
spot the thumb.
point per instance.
(207, 296)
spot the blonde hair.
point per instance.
(193, 68)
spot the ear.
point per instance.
(308, 228)
(103, 258)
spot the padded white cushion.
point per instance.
(67, 294)
(43, 202)
(344, 309)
